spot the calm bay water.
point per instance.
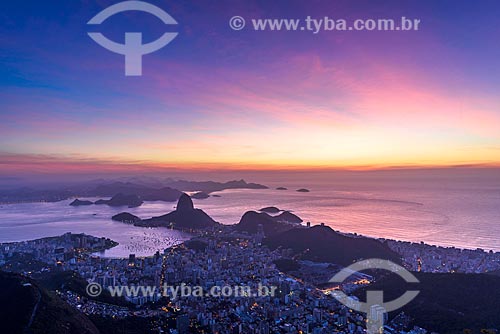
(451, 212)
(27, 221)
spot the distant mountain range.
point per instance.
(119, 199)
(211, 186)
(171, 191)
(168, 191)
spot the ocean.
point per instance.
(453, 210)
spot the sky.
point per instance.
(216, 98)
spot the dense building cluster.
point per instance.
(215, 259)
(437, 259)
(60, 251)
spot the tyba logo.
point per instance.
(133, 49)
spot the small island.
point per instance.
(126, 217)
(78, 202)
(270, 209)
(200, 195)
(120, 199)
(281, 188)
(303, 190)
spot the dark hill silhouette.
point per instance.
(185, 203)
(322, 244)
(165, 194)
(200, 195)
(287, 216)
(184, 217)
(251, 220)
(126, 217)
(110, 189)
(270, 209)
(211, 186)
(146, 193)
(21, 297)
(70, 280)
(151, 190)
(120, 199)
(172, 191)
(78, 202)
(448, 303)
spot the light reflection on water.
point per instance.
(467, 218)
(36, 220)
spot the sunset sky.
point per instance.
(218, 98)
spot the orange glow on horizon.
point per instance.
(60, 164)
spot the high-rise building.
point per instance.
(182, 323)
(131, 260)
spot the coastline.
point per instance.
(415, 256)
(366, 216)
